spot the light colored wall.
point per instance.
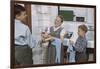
(42, 16)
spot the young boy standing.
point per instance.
(81, 44)
(23, 38)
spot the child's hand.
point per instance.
(44, 40)
(49, 38)
(71, 42)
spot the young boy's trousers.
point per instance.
(23, 55)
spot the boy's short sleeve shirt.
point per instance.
(81, 44)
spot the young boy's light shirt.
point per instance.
(23, 35)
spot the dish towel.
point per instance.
(57, 44)
(71, 55)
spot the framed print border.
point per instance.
(12, 51)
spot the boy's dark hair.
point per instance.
(18, 9)
(60, 16)
(83, 27)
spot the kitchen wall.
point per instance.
(42, 16)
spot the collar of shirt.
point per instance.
(56, 28)
(82, 37)
(17, 21)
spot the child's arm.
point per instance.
(71, 42)
(49, 38)
(62, 36)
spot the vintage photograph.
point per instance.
(48, 34)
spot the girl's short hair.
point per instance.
(18, 9)
(61, 17)
(83, 27)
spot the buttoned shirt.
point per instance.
(81, 44)
(23, 35)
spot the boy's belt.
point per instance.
(21, 45)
